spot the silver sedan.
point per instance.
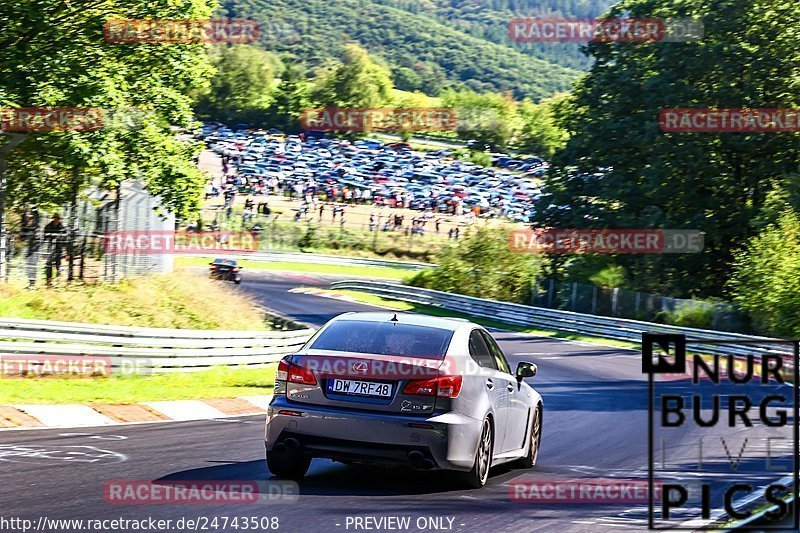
(382, 388)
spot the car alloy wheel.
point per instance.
(485, 452)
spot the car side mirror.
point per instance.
(525, 370)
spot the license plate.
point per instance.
(352, 387)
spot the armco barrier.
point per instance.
(556, 320)
(150, 349)
(325, 259)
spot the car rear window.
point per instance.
(384, 338)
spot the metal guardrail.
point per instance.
(147, 349)
(565, 321)
(325, 259)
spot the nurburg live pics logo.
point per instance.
(726, 423)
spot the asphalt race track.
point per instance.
(595, 424)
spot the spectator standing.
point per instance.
(54, 234)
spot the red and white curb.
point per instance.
(14, 417)
(323, 293)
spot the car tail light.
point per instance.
(283, 371)
(442, 386)
(294, 374)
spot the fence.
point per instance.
(565, 321)
(38, 246)
(148, 349)
(622, 303)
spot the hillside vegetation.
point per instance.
(422, 52)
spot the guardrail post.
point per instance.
(550, 293)
(574, 296)
(594, 300)
(614, 301)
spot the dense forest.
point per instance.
(488, 20)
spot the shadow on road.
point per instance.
(328, 478)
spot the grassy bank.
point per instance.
(160, 301)
(373, 299)
(370, 272)
(215, 383)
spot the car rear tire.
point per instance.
(477, 477)
(535, 440)
(288, 465)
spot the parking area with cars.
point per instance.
(370, 172)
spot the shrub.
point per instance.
(766, 278)
(689, 315)
(482, 265)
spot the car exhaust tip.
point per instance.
(292, 444)
(426, 464)
(415, 456)
(280, 448)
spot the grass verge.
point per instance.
(373, 299)
(219, 382)
(159, 301)
(357, 271)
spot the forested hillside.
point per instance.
(424, 50)
(489, 20)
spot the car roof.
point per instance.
(449, 323)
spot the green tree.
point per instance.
(241, 90)
(619, 170)
(482, 265)
(487, 118)
(54, 54)
(766, 278)
(539, 133)
(359, 81)
(291, 97)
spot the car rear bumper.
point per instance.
(444, 441)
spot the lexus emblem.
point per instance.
(360, 367)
